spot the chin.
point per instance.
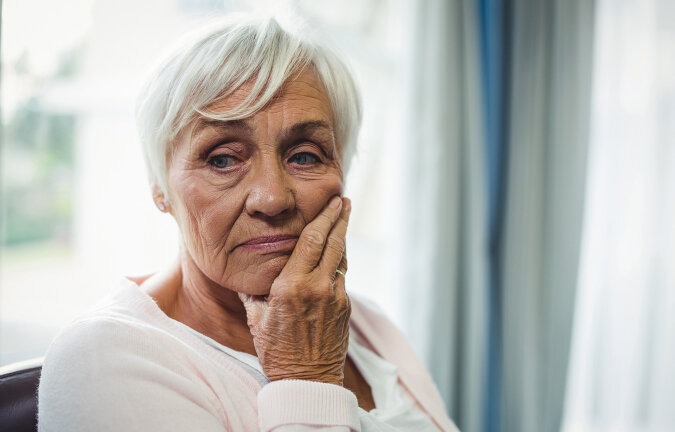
(259, 281)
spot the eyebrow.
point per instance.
(243, 126)
(307, 127)
(240, 124)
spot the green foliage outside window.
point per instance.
(38, 176)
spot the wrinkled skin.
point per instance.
(274, 173)
(301, 330)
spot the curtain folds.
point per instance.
(621, 373)
(548, 116)
(497, 112)
(444, 264)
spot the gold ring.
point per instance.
(341, 272)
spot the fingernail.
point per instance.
(335, 202)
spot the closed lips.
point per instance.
(275, 243)
(269, 239)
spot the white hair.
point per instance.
(212, 63)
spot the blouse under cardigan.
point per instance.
(127, 366)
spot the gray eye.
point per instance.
(222, 161)
(304, 159)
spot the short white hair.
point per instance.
(211, 64)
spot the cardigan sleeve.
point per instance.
(298, 405)
(97, 376)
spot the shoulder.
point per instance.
(369, 317)
(121, 335)
(111, 369)
(116, 328)
(94, 340)
(106, 374)
(379, 333)
(386, 340)
(94, 356)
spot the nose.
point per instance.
(270, 193)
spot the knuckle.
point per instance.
(342, 300)
(348, 308)
(315, 237)
(344, 306)
(316, 297)
(305, 249)
(323, 220)
(336, 244)
(324, 288)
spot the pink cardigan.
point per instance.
(386, 340)
(126, 366)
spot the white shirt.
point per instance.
(394, 408)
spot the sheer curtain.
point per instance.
(444, 265)
(548, 118)
(471, 313)
(622, 375)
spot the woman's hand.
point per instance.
(301, 330)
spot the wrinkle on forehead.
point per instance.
(306, 84)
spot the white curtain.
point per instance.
(622, 376)
(444, 258)
(548, 115)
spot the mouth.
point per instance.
(269, 244)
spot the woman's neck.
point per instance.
(185, 294)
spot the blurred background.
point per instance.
(514, 188)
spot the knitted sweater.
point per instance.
(126, 366)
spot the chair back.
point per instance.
(18, 396)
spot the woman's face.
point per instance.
(242, 191)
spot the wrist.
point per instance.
(322, 378)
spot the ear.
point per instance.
(160, 199)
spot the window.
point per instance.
(77, 214)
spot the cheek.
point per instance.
(312, 196)
(205, 217)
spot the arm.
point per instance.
(301, 332)
(99, 376)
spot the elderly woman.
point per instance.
(247, 131)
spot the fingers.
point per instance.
(339, 290)
(255, 308)
(334, 258)
(342, 267)
(310, 246)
